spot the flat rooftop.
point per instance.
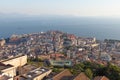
(3, 66)
(26, 68)
(12, 58)
(4, 77)
(36, 72)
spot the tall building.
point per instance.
(2, 42)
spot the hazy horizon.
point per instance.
(83, 8)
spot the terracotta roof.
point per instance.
(64, 75)
(81, 76)
(101, 78)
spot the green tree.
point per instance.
(113, 72)
(89, 73)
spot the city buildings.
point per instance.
(54, 49)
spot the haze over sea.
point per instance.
(101, 28)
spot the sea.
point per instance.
(101, 28)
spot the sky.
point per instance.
(109, 8)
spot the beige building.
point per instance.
(8, 67)
(2, 42)
(16, 61)
(7, 70)
(4, 77)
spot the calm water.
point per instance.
(89, 27)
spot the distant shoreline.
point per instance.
(85, 27)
